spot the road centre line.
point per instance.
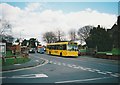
(92, 79)
(114, 75)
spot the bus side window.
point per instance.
(60, 47)
(49, 47)
(64, 47)
(57, 47)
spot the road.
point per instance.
(65, 70)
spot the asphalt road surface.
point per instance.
(65, 70)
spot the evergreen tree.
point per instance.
(99, 38)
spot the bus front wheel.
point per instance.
(50, 53)
(60, 54)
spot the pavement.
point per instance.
(33, 62)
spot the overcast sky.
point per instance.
(34, 19)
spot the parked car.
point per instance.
(40, 49)
(32, 50)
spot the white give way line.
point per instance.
(87, 69)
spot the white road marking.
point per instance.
(64, 64)
(30, 76)
(101, 72)
(54, 63)
(82, 80)
(82, 68)
(2, 77)
(69, 65)
(108, 72)
(50, 61)
(96, 70)
(59, 63)
(76, 67)
(37, 60)
(117, 74)
(41, 75)
(91, 70)
(88, 68)
(114, 75)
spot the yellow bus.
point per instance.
(67, 48)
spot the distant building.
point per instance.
(7, 38)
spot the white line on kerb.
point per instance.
(27, 67)
(30, 76)
(82, 80)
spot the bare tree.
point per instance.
(5, 31)
(5, 27)
(49, 37)
(60, 35)
(72, 34)
(84, 32)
